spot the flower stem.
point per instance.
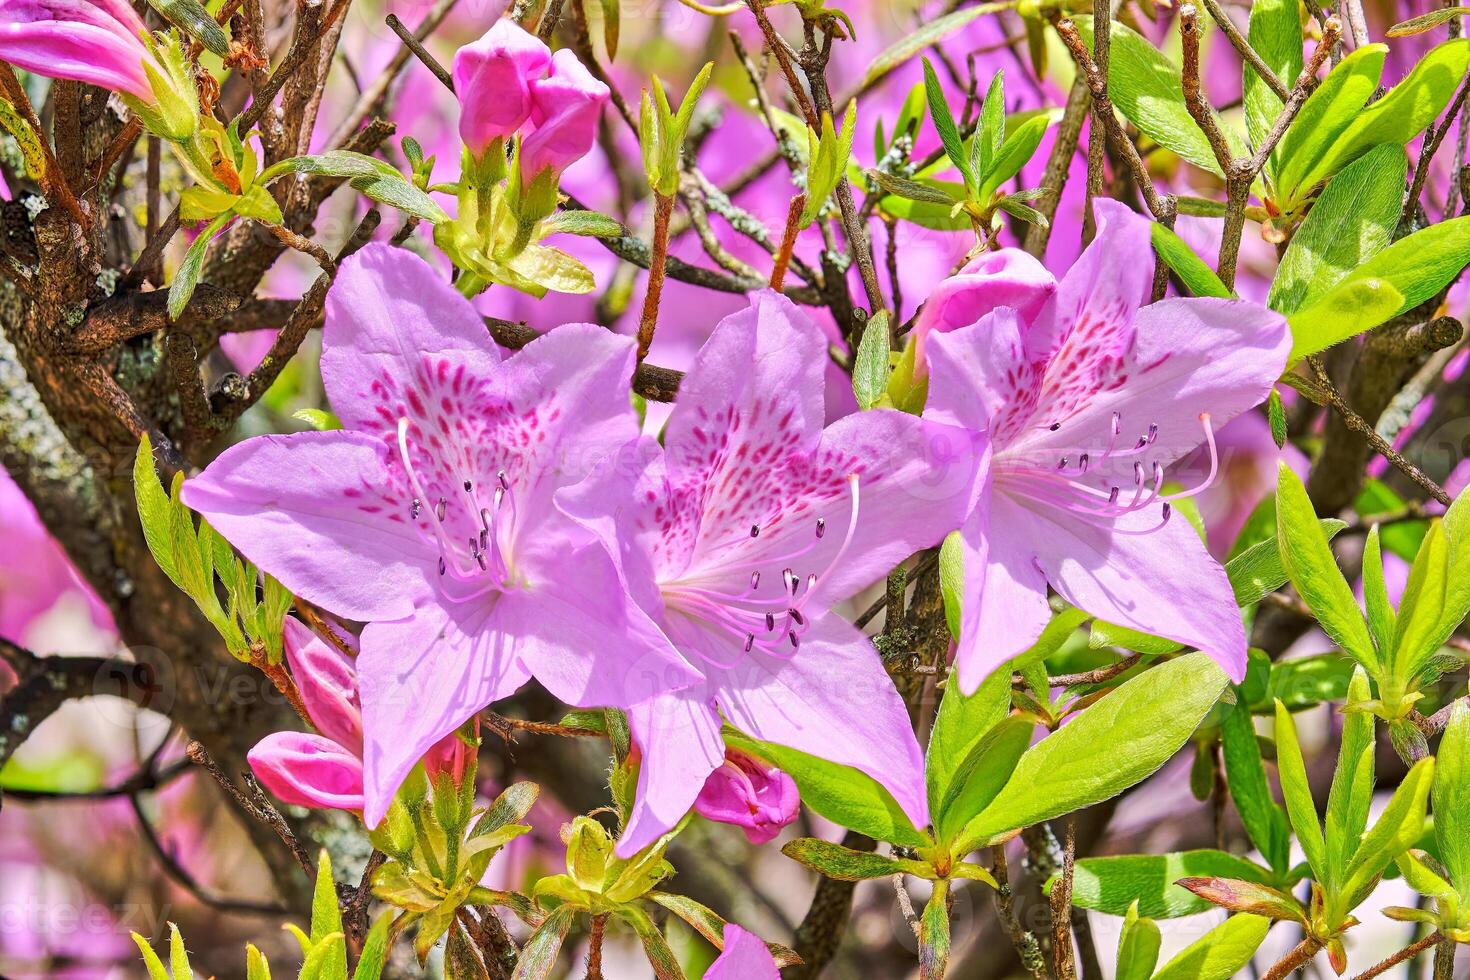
(1407, 953)
(1303, 951)
(788, 241)
(594, 947)
(663, 209)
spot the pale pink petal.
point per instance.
(980, 377)
(320, 511)
(1189, 357)
(389, 319)
(308, 770)
(745, 957)
(1161, 581)
(420, 679)
(679, 745)
(1107, 284)
(1004, 607)
(831, 699)
(579, 633)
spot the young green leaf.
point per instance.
(178, 956)
(1452, 796)
(1017, 151)
(1352, 783)
(870, 367)
(1197, 277)
(925, 36)
(1426, 22)
(1114, 744)
(151, 962)
(1381, 617)
(1138, 947)
(1351, 222)
(257, 967)
(1112, 884)
(1219, 953)
(187, 276)
(1327, 111)
(1417, 634)
(959, 725)
(1313, 570)
(983, 773)
(374, 950)
(1258, 571)
(949, 134)
(1397, 829)
(1245, 775)
(1298, 793)
(1276, 415)
(985, 148)
(1276, 35)
(538, 955)
(1147, 89)
(191, 17)
(845, 864)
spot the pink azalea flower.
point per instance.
(743, 532)
(750, 794)
(99, 42)
(565, 106)
(1082, 396)
(429, 515)
(745, 958)
(492, 80)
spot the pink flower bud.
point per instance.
(99, 42)
(750, 794)
(564, 110)
(328, 684)
(451, 757)
(493, 78)
(308, 770)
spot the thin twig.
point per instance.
(663, 209)
(1299, 955)
(259, 808)
(1407, 953)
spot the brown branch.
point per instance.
(663, 210)
(419, 51)
(1407, 953)
(53, 181)
(788, 240)
(1059, 164)
(1247, 53)
(821, 929)
(259, 808)
(372, 100)
(1061, 908)
(1294, 960)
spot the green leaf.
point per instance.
(934, 933)
(178, 956)
(538, 955)
(1298, 793)
(1197, 277)
(1258, 570)
(151, 961)
(187, 277)
(1327, 111)
(1276, 415)
(1397, 829)
(1113, 884)
(589, 224)
(959, 725)
(870, 367)
(1452, 796)
(1245, 775)
(1251, 897)
(1301, 682)
(1017, 151)
(326, 916)
(1312, 568)
(1276, 35)
(928, 34)
(190, 17)
(1013, 206)
(1147, 89)
(986, 144)
(1351, 222)
(155, 511)
(984, 772)
(1426, 22)
(1417, 635)
(374, 950)
(846, 864)
(1219, 953)
(1352, 783)
(612, 13)
(911, 190)
(257, 967)
(1138, 947)
(655, 947)
(1112, 745)
(949, 134)
(1401, 114)
(841, 794)
(1381, 617)
(952, 581)
(369, 176)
